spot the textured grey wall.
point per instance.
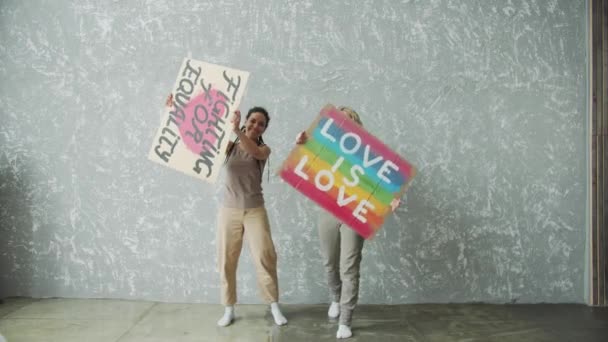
(487, 98)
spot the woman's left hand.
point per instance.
(236, 121)
(394, 204)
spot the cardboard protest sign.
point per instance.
(347, 171)
(194, 132)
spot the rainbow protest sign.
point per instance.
(347, 171)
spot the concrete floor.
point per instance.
(126, 321)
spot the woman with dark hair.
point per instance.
(243, 214)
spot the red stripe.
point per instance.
(326, 202)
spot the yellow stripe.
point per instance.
(314, 165)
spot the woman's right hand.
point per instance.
(235, 121)
(169, 102)
(301, 138)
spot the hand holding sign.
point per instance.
(169, 101)
(301, 138)
(395, 203)
(236, 120)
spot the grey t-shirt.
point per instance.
(243, 185)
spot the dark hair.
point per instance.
(260, 141)
(258, 109)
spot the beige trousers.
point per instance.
(233, 224)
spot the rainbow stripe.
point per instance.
(337, 152)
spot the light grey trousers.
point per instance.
(341, 250)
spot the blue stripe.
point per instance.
(397, 179)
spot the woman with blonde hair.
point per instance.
(341, 249)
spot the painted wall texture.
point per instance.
(486, 98)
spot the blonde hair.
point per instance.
(351, 113)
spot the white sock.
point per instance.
(227, 318)
(334, 310)
(344, 331)
(279, 319)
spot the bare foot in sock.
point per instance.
(344, 331)
(228, 317)
(279, 319)
(334, 310)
